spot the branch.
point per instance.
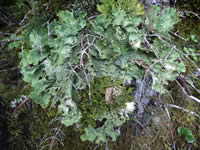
(25, 17)
(8, 69)
(183, 89)
(8, 41)
(181, 108)
(3, 33)
(190, 84)
(191, 12)
(24, 26)
(21, 104)
(194, 98)
(174, 47)
(175, 33)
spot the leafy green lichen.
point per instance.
(76, 55)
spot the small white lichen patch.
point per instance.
(169, 67)
(63, 109)
(70, 103)
(15, 102)
(130, 107)
(137, 44)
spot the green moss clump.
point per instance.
(192, 5)
(97, 104)
(184, 119)
(189, 25)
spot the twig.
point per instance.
(43, 147)
(181, 108)
(171, 97)
(167, 111)
(25, 17)
(145, 39)
(174, 33)
(73, 70)
(194, 98)
(86, 44)
(191, 54)
(54, 138)
(49, 33)
(186, 93)
(97, 146)
(2, 33)
(12, 40)
(22, 48)
(20, 105)
(55, 119)
(58, 135)
(171, 133)
(191, 12)
(190, 84)
(24, 26)
(3, 64)
(174, 47)
(139, 123)
(8, 69)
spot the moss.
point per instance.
(192, 5)
(154, 135)
(97, 105)
(27, 128)
(184, 119)
(28, 125)
(191, 24)
(188, 26)
(54, 6)
(158, 130)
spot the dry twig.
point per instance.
(181, 108)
